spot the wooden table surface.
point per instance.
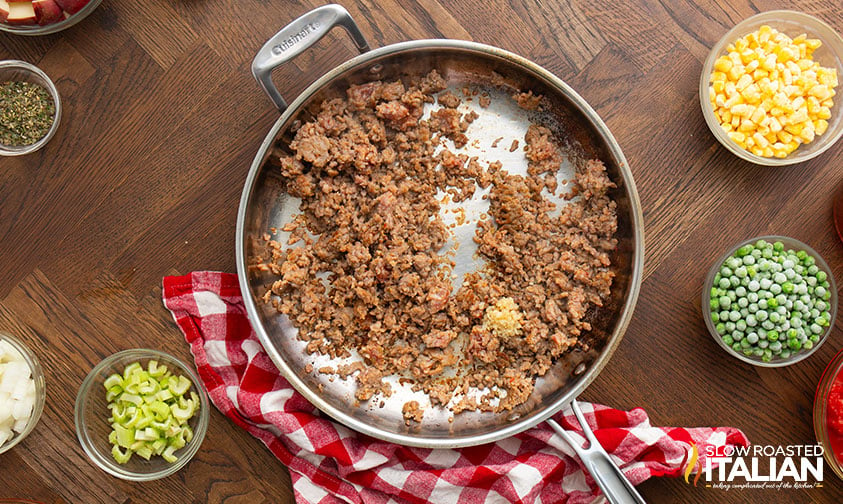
(161, 122)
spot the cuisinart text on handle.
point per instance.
(295, 39)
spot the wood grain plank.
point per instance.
(145, 20)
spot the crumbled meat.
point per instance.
(448, 99)
(364, 270)
(527, 101)
(412, 412)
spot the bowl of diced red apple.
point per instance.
(41, 17)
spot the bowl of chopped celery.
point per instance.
(770, 301)
(767, 89)
(141, 414)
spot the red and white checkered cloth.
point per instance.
(330, 463)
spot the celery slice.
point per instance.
(182, 413)
(158, 446)
(160, 410)
(168, 454)
(114, 380)
(131, 369)
(132, 398)
(120, 456)
(124, 436)
(164, 395)
(180, 385)
(144, 451)
(113, 393)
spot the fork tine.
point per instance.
(587, 432)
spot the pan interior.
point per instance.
(269, 207)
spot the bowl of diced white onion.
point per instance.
(22, 391)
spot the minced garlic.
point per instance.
(503, 318)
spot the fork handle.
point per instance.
(611, 480)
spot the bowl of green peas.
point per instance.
(770, 301)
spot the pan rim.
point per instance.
(499, 432)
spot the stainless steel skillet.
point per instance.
(265, 206)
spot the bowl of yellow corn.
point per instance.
(768, 88)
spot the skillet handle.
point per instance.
(297, 37)
(611, 480)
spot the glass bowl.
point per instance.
(789, 244)
(828, 437)
(91, 416)
(830, 55)
(21, 71)
(54, 27)
(40, 390)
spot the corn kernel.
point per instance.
(820, 91)
(737, 136)
(723, 64)
(746, 126)
(744, 81)
(771, 137)
(731, 89)
(805, 64)
(807, 135)
(800, 116)
(794, 129)
(824, 113)
(739, 109)
(785, 137)
(820, 126)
